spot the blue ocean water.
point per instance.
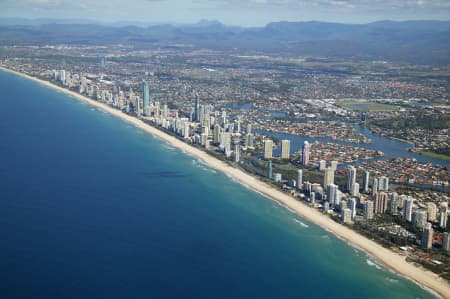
(91, 207)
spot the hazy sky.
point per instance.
(235, 12)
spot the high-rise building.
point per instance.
(269, 169)
(237, 153)
(375, 186)
(366, 181)
(217, 132)
(443, 214)
(277, 177)
(351, 204)
(312, 197)
(407, 208)
(145, 97)
(420, 218)
(383, 183)
(225, 141)
(305, 153)
(322, 165)
(332, 194)
(205, 130)
(203, 139)
(138, 106)
(401, 201)
(431, 211)
(62, 76)
(285, 149)
(328, 177)
(249, 129)
(381, 203)
(307, 187)
(186, 130)
(346, 215)
(355, 190)
(249, 140)
(299, 178)
(197, 108)
(165, 111)
(351, 177)
(334, 165)
(368, 210)
(393, 204)
(446, 241)
(238, 126)
(427, 237)
(268, 148)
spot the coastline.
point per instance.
(391, 260)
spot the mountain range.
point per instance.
(418, 42)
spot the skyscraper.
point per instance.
(305, 153)
(375, 186)
(197, 108)
(383, 183)
(366, 181)
(381, 203)
(62, 76)
(407, 208)
(217, 132)
(249, 140)
(427, 237)
(249, 129)
(351, 204)
(346, 215)
(328, 177)
(299, 178)
(355, 190)
(322, 165)
(237, 153)
(446, 241)
(285, 149)
(431, 211)
(269, 169)
(393, 204)
(332, 194)
(268, 148)
(420, 219)
(368, 210)
(145, 97)
(351, 177)
(138, 106)
(225, 141)
(443, 217)
(334, 165)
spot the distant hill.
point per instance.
(421, 42)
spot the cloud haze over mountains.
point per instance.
(235, 12)
(419, 42)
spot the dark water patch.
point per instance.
(162, 174)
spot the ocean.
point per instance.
(92, 207)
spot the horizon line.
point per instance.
(140, 23)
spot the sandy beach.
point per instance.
(386, 257)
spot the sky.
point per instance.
(248, 13)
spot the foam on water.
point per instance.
(373, 264)
(301, 223)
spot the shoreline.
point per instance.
(389, 259)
